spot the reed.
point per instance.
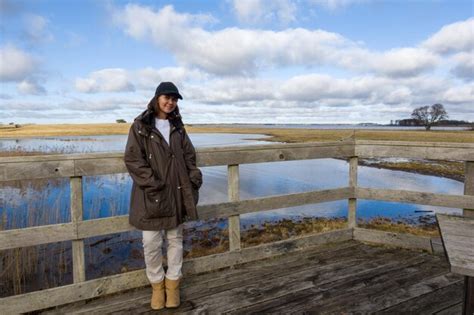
(36, 267)
(428, 228)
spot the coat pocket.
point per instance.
(157, 204)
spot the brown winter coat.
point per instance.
(166, 180)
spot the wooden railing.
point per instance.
(75, 166)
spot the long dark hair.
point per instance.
(174, 117)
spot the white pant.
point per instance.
(152, 247)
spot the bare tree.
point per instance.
(429, 115)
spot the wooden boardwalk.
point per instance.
(344, 277)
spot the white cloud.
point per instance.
(106, 80)
(86, 109)
(105, 105)
(464, 68)
(315, 87)
(5, 96)
(398, 96)
(149, 78)
(460, 94)
(37, 28)
(321, 98)
(121, 80)
(249, 10)
(262, 11)
(234, 51)
(403, 62)
(31, 87)
(314, 90)
(312, 98)
(15, 64)
(452, 38)
(283, 112)
(229, 51)
(142, 21)
(232, 90)
(309, 75)
(336, 4)
(37, 104)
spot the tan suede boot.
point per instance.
(158, 296)
(172, 293)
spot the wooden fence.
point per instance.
(75, 166)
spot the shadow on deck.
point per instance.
(343, 277)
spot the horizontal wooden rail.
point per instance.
(422, 198)
(55, 166)
(415, 150)
(99, 287)
(396, 239)
(89, 228)
(274, 153)
(274, 202)
(37, 235)
(103, 226)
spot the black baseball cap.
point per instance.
(167, 88)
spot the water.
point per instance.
(114, 143)
(24, 203)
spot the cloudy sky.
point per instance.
(236, 61)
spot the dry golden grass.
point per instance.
(287, 228)
(315, 135)
(290, 135)
(385, 224)
(448, 169)
(27, 131)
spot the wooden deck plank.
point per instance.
(323, 277)
(343, 291)
(455, 309)
(323, 267)
(269, 266)
(445, 298)
(341, 277)
(213, 279)
(457, 234)
(372, 299)
(196, 287)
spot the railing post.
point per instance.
(233, 193)
(78, 262)
(469, 185)
(351, 215)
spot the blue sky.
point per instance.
(236, 61)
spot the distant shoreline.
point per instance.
(280, 134)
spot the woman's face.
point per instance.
(166, 104)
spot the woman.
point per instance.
(162, 163)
